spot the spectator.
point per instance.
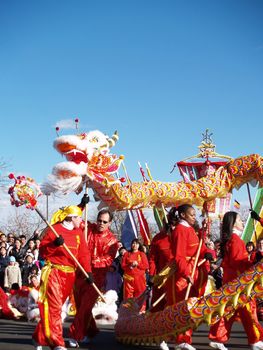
(216, 268)
(17, 252)
(24, 244)
(251, 250)
(259, 250)
(10, 241)
(3, 239)
(33, 309)
(35, 271)
(4, 261)
(12, 274)
(27, 268)
(118, 260)
(30, 246)
(113, 280)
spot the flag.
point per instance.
(159, 216)
(144, 228)
(129, 230)
(236, 204)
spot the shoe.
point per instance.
(60, 348)
(36, 345)
(73, 343)
(257, 346)
(184, 346)
(216, 345)
(164, 346)
(85, 340)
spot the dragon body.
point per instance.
(89, 162)
(152, 328)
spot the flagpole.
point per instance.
(251, 207)
(86, 216)
(151, 178)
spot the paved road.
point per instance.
(16, 335)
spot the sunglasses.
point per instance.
(102, 221)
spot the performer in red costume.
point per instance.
(134, 264)
(185, 243)
(58, 274)
(103, 246)
(255, 216)
(235, 261)
(159, 256)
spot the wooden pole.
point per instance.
(157, 301)
(194, 268)
(86, 216)
(71, 254)
(47, 206)
(251, 207)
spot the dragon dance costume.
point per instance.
(103, 247)
(134, 278)
(184, 243)
(160, 255)
(57, 279)
(234, 263)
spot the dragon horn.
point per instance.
(112, 140)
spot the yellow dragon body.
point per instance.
(152, 328)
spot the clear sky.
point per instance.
(158, 71)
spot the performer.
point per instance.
(159, 256)
(58, 274)
(103, 246)
(255, 216)
(134, 264)
(185, 243)
(235, 261)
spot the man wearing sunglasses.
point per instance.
(103, 246)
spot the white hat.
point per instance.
(29, 254)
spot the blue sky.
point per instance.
(159, 72)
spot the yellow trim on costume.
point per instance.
(46, 319)
(78, 241)
(128, 277)
(45, 274)
(161, 278)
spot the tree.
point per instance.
(3, 177)
(22, 222)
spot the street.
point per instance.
(16, 335)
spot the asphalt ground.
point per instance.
(16, 335)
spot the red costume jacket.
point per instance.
(184, 248)
(235, 262)
(102, 247)
(160, 252)
(134, 278)
(185, 242)
(57, 280)
(75, 241)
(159, 256)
